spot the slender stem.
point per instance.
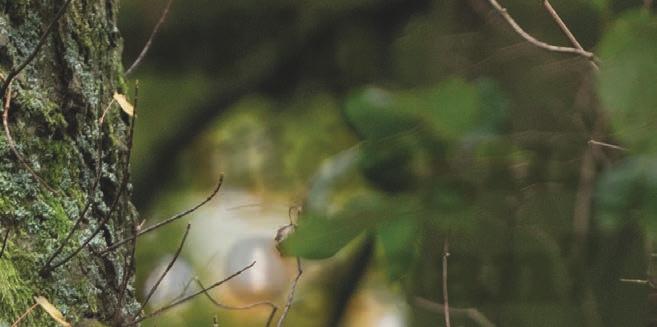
(187, 298)
(4, 241)
(148, 44)
(566, 31)
(166, 221)
(445, 293)
(166, 271)
(24, 315)
(543, 45)
(290, 296)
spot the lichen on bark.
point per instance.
(56, 102)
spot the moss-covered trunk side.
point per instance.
(56, 103)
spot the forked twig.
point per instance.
(166, 221)
(448, 322)
(147, 46)
(164, 273)
(543, 45)
(566, 31)
(189, 297)
(6, 94)
(273, 306)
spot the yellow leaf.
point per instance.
(51, 310)
(126, 106)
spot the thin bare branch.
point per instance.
(471, 313)
(607, 145)
(6, 94)
(566, 31)
(168, 220)
(189, 297)
(448, 322)
(24, 315)
(273, 306)
(165, 272)
(147, 46)
(549, 47)
(4, 241)
(290, 296)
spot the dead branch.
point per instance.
(607, 145)
(566, 31)
(273, 306)
(189, 297)
(540, 44)
(147, 46)
(24, 315)
(164, 273)
(166, 221)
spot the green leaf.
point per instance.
(628, 79)
(322, 237)
(451, 107)
(375, 114)
(398, 239)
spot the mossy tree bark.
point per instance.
(54, 113)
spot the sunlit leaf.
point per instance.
(125, 105)
(52, 310)
(628, 79)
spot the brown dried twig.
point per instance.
(273, 306)
(164, 273)
(189, 297)
(6, 94)
(166, 221)
(24, 315)
(566, 31)
(293, 211)
(147, 46)
(543, 45)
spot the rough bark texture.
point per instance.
(56, 102)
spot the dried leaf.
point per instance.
(52, 310)
(126, 106)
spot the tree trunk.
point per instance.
(55, 106)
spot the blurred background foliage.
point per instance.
(398, 125)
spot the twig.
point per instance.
(4, 241)
(24, 315)
(166, 271)
(472, 313)
(187, 298)
(553, 48)
(166, 221)
(290, 296)
(273, 306)
(147, 46)
(566, 31)
(445, 294)
(636, 281)
(6, 94)
(607, 145)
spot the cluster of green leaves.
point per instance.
(415, 145)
